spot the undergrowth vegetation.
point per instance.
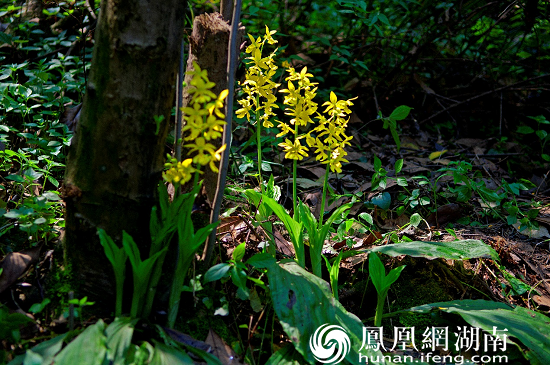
(342, 235)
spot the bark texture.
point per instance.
(116, 158)
(208, 46)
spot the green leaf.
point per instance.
(304, 302)
(455, 250)
(51, 196)
(119, 339)
(40, 220)
(532, 213)
(415, 219)
(54, 182)
(400, 113)
(263, 259)
(377, 163)
(367, 218)
(522, 324)
(45, 350)
(295, 229)
(395, 136)
(166, 355)
(38, 307)
(377, 273)
(216, 272)
(383, 200)
(542, 134)
(393, 275)
(87, 348)
(5, 38)
(383, 19)
(398, 165)
(286, 356)
(238, 252)
(523, 129)
(401, 181)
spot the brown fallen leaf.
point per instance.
(445, 214)
(282, 244)
(15, 264)
(391, 224)
(221, 350)
(227, 224)
(542, 301)
(371, 238)
(471, 142)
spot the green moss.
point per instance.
(408, 292)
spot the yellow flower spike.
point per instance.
(217, 104)
(258, 60)
(213, 128)
(310, 140)
(204, 151)
(255, 44)
(245, 110)
(201, 91)
(268, 35)
(320, 150)
(180, 172)
(217, 156)
(285, 129)
(294, 151)
(197, 72)
(265, 121)
(194, 114)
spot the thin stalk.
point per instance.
(323, 197)
(119, 296)
(294, 200)
(379, 311)
(196, 177)
(294, 174)
(259, 144)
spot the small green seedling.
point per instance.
(382, 283)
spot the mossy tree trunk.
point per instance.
(117, 154)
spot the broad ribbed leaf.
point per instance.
(455, 250)
(529, 327)
(303, 302)
(87, 348)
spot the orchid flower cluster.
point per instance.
(259, 85)
(204, 122)
(328, 139)
(331, 137)
(259, 88)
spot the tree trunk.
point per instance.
(208, 48)
(117, 153)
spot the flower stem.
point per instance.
(196, 177)
(323, 197)
(259, 143)
(379, 310)
(294, 174)
(294, 168)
